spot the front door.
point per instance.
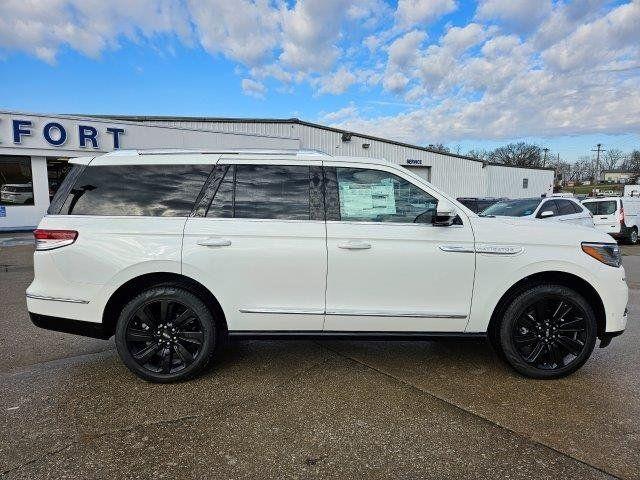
(259, 245)
(390, 269)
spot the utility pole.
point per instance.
(598, 149)
(544, 159)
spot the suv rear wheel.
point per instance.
(547, 332)
(166, 334)
(633, 236)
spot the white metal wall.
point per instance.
(508, 182)
(459, 177)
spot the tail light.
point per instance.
(50, 239)
(621, 216)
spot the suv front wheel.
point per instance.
(548, 332)
(166, 334)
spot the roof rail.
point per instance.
(226, 151)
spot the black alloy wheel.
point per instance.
(551, 333)
(548, 331)
(165, 334)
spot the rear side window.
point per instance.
(135, 190)
(566, 207)
(607, 207)
(282, 192)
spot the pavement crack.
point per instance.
(475, 414)
(176, 420)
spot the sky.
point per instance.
(468, 74)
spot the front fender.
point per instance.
(489, 290)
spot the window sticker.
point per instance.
(366, 201)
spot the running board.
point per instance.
(339, 335)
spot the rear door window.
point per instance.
(135, 190)
(565, 207)
(278, 192)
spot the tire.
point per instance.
(547, 332)
(632, 239)
(166, 334)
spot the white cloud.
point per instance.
(525, 67)
(43, 27)
(310, 32)
(520, 15)
(342, 114)
(421, 12)
(404, 50)
(337, 82)
(241, 29)
(253, 88)
(612, 38)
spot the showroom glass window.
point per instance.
(136, 190)
(378, 196)
(57, 170)
(16, 186)
(263, 192)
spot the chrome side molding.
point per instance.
(351, 312)
(36, 296)
(284, 311)
(483, 248)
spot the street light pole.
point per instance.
(598, 149)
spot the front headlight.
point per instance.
(607, 253)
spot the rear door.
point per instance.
(605, 214)
(257, 242)
(569, 213)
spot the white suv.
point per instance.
(174, 252)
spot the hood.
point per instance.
(531, 231)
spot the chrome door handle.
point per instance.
(354, 245)
(215, 242)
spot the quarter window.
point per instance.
(135, 190)
(378, 196)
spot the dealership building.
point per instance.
(35, 148)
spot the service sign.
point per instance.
(414, 161)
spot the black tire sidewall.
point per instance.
(516, 309)
(175, 294)
(631, 241)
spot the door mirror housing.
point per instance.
(445, 214)
(546, 214)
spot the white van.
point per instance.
(617, 216)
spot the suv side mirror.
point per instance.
(445, 214)
(546, 214)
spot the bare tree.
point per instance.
(439, 147)
(478, 154)
(519, 154)
(631, 161)
(612, 159)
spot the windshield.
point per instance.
(512, 208)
